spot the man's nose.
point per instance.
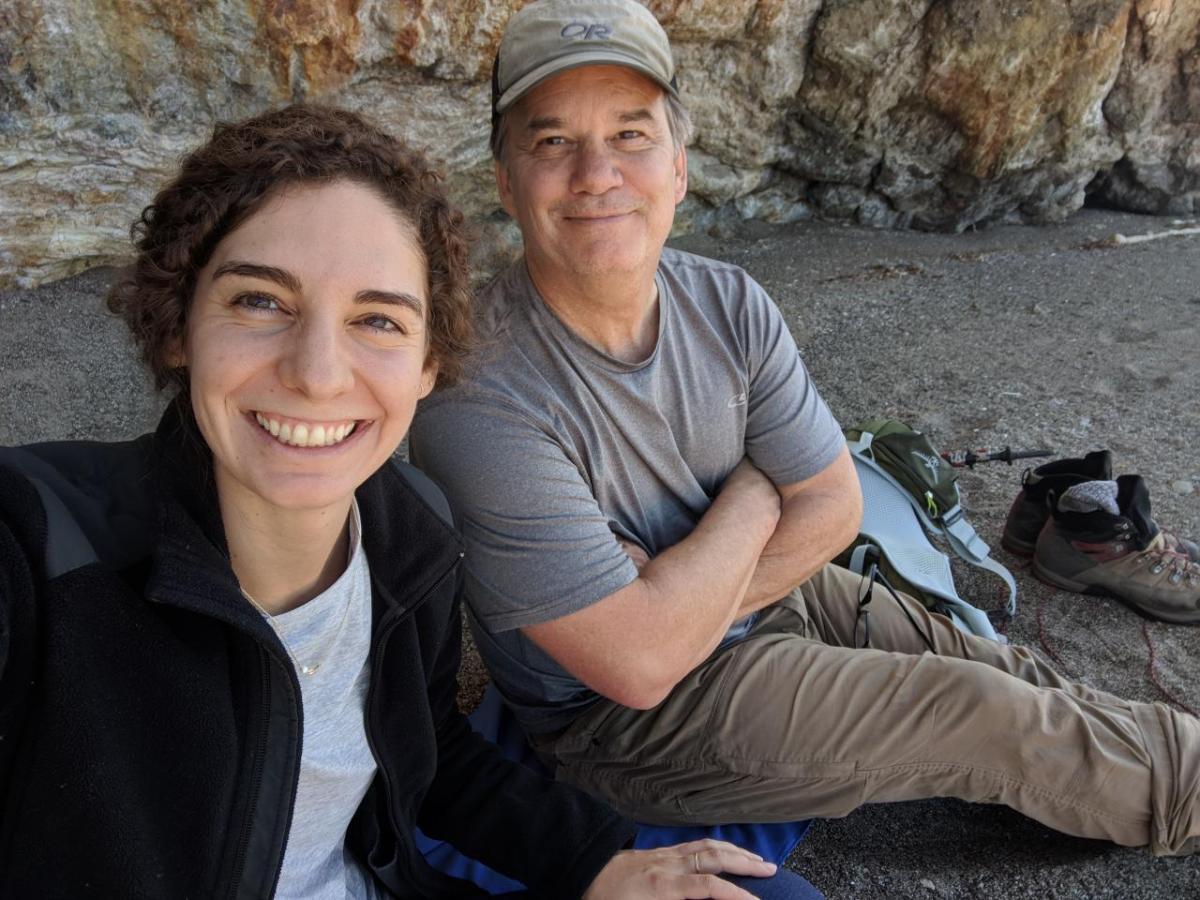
(317, 362)
(597, 168)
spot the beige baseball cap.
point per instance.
(549, 36)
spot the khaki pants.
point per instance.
(794, 722)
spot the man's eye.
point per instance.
(552, 141)
(629, 135)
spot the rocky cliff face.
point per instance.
(925, 113)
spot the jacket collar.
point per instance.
(409, 547)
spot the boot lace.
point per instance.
(1163, 557)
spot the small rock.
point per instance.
(1182, 486)
(1036, 309)
(928, 885)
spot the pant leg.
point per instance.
(784, 726)
(828, 602)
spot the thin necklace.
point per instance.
(311, 668)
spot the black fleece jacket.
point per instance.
(150, 721)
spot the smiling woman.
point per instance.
(299, 332)
(228, 649)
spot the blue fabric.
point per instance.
(783, 885)
(773, 842)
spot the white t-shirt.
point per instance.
(332, 631)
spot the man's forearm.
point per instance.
(705, 576)
(815, 525)
(634, 645)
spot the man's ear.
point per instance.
(680, 174)
(504, 189)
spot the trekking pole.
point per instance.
(960, 459)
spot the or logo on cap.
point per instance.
(588, 31)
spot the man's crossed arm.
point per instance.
(752, 546)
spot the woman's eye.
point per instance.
(256, 302)
(629, 135)
(381, 323)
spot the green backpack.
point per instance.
(910, 458)
(909, 495)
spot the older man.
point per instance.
(651, 487)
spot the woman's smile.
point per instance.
(303, 433)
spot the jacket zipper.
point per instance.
(243, 844)
(401, 837)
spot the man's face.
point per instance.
(590, 173)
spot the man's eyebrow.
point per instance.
(637, 115)
(544, 123)
(547, 123)
(281, 277)
(392, 298)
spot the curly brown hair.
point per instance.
(227, 180)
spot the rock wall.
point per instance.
(939, 114)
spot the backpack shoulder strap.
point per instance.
(952, 524)
(971, 547)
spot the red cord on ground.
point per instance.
(1152, 672)
(1044, 639)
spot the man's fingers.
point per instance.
(634, 552)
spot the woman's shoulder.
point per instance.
(96, 500)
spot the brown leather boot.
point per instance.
(1121, 555)
(1030, 510)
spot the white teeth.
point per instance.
(303, 435)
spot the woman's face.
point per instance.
(307, 349)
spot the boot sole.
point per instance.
(1016, 546)
(1079, 587)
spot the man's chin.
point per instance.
(600, 258)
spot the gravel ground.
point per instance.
(1052, 337)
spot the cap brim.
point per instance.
(573, 61)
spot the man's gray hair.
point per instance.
(679, 123)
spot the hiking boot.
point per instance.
(1117, 551)
(1031, 509)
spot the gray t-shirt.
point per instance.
(551, 448)
(333, 631)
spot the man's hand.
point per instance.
(673, 873)
(636, 554)
(749, 486)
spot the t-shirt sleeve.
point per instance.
(538, 546)
(791, 434)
